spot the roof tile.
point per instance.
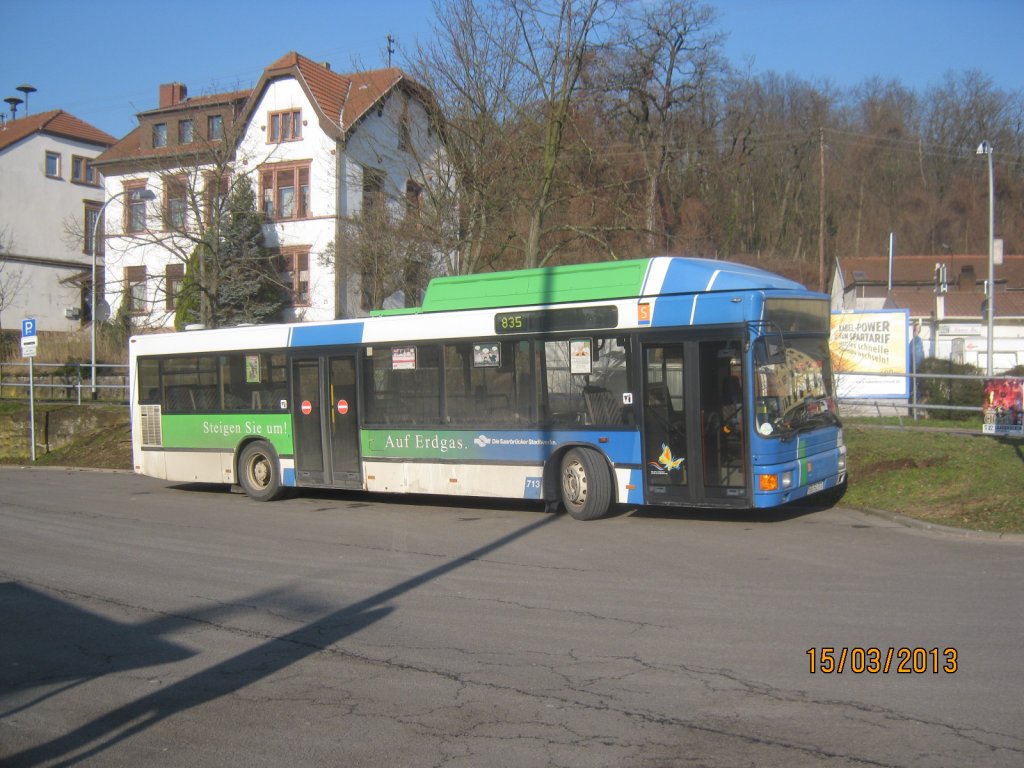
(56, 122)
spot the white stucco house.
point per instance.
(944, 297)
(49, 191)
(318, 146)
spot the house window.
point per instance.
(218, 188)
(373, 190)
(175, 203)
(174, 274)
(53, 165)
(160, 135)
(284, 126)
(82, 171)
(135, 209)
(92, 218)
(135, 289)
(413, 199)
(214, 127)
(404, 133)
(293, 270)
(284, 190)
(184, 131)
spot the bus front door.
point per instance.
(668, 472)
(326, 421)
(694, 434)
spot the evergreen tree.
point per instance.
(188, 306)
(230, 277)
(248, 288)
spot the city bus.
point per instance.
(661, 381)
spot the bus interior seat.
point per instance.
(602, 406)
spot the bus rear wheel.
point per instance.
(258, 471)
(585, 484)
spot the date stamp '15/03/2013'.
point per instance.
(872, 660)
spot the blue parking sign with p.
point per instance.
(28, 327)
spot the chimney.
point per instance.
(172, 93)
(967, 281)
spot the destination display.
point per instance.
(551, 320)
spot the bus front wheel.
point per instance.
(586, 484)
(258, 471)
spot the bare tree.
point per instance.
(12, 275)
(671, 56)
(557, 38)
(470, 69)
(194, 225)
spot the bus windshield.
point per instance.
(793, 385)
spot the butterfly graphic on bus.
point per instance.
(665, 461)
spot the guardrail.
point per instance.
(912, 406)
(73, 379)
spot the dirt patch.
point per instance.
(895, 465)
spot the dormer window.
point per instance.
(214, 127)
(160, 135)
(284, 126)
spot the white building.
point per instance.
(50, 194)
(945, 299)
(318, 146)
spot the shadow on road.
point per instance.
(229, 676)
(349, 499)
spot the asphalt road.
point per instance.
(145, 623)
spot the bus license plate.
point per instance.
(815, 487)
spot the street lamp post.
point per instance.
(144, 194)
(985, 148)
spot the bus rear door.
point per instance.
(325, 420)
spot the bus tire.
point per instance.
(585, 484)
(258, 471)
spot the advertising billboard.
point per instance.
(866, 345)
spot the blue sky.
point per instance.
(106, 75)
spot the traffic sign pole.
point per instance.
(28, 349)
(31, 410)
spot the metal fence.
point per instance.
(69, 382)
(915, 406)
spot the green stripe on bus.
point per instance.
(525, 287)
(226, 430)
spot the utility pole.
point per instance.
(391, 48)
(821, 210)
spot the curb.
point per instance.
(922, 525)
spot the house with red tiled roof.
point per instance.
(318, 146)
(49, 190)
(945, 297)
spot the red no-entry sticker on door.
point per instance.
(343, 407)
(307, 407)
